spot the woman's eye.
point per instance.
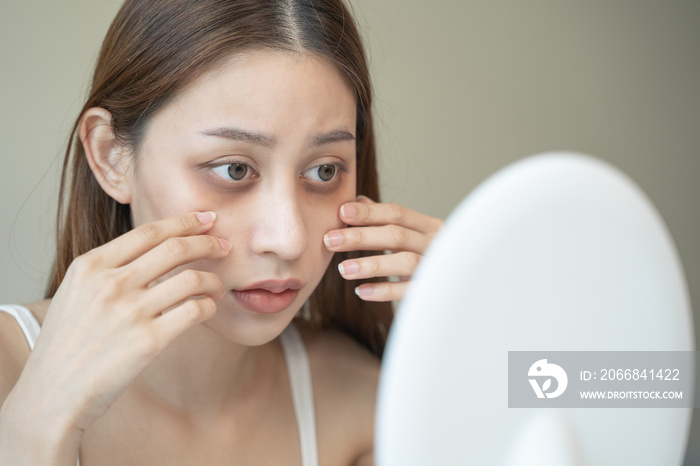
(233, 171)
(322, 173)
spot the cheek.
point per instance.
(160, 194)
(324, 216)
(324, 210)
(320, 219)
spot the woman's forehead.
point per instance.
(267, 92)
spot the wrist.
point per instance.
(29, 437)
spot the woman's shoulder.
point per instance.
(14, 348)
(345, 378)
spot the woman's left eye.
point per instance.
(324, 173)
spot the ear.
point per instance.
(108, 160)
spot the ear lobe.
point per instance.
(108, 159)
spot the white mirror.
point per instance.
(556, 252)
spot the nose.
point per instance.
(279, 226)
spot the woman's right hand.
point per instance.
(108, 320)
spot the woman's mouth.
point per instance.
(269, 296)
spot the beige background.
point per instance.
(463, 88)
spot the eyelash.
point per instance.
(340, 167)
(225, 166)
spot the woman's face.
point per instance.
(267, 141)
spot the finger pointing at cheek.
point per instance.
(379, 266)
(382, 227)
(387, 291)
(367, 212)
(380, 238)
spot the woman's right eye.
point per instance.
(235, 171)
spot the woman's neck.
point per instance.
(203, 375)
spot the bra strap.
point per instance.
(25, 319)
(302, 392)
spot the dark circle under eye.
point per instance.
(237, 171)
(327, 172)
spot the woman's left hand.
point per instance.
(382, 227)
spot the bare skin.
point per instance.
(147, 355)
(344, 379)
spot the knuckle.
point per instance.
(208, 306)
(193, 310)
(364, 213)
(218, 285)
(85, 265)
(375, 267)
(197, 310)
(176, 246)
(394, 291)
(149, 231)
(397, 212)
(398, 235)
(191, 278)
(212, 242)
(382, 291)
(188, 222)
(112, 285)
(118, 278)
(354, 236)
(412, 261)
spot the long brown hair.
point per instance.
(152, 51)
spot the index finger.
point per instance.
(379, 214)
(143, 238)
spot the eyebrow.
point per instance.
(338, 135)
(238, 134)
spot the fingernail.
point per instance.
(205, 218)
(364, 291)
(348, 268)
(333, 239)
(225, 245)
(348, 210)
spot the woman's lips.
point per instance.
(268, 297)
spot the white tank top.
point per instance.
(297, 365)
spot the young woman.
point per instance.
(204, 306)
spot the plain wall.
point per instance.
(462, 89)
